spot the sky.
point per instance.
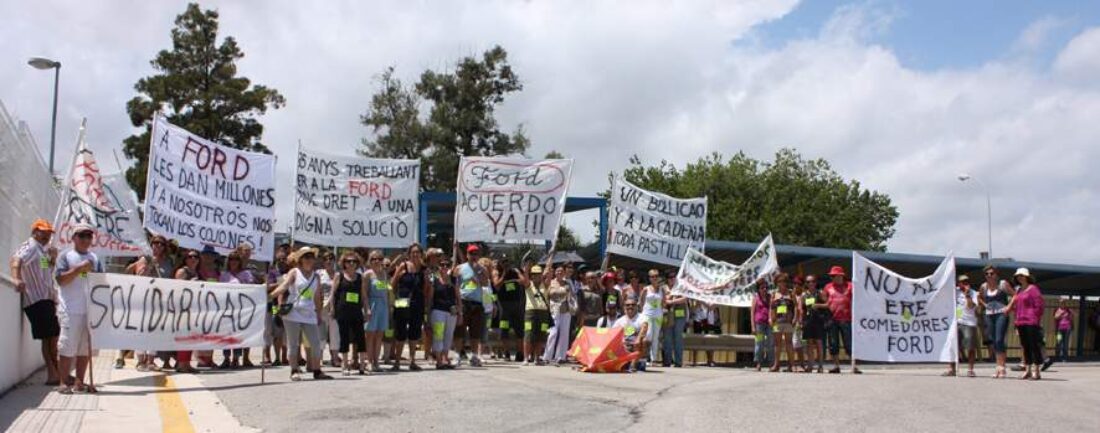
(900, 96)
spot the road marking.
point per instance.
(173, 413)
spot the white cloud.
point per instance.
(604, 80)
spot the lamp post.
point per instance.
(988, 210)
(43, 64)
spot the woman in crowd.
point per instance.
(536, 316)
(349, 302)
(654, 298)
(1028, 305)
(409, 304)
(994, 299)
(330, 330)
(188, 271)
(208, 271)
(781, 318)
(633, 288)
(1063, 324)
(303, 288)
(813, 313)
(446, 308)
(234, 273)
(378, 311)
(674, 344)
(762, 331)
(509, 282)
(562, 307)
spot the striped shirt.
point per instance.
(36, 270)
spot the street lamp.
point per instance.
(43, 64)
(988, 209)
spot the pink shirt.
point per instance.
(1029, 306)
(1065, 323)
(840, 301)
(761, 304)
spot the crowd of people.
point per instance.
(367, 308)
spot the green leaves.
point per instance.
(800, 202)
(197, 88)
(459, 121)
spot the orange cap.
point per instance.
(42, 225)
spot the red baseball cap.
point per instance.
(472, 249)
(836, 270)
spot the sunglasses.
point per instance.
(158, 243)
(83, 235)
(375, 259)
(351, 262)
(192, 256)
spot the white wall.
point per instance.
(26, 192)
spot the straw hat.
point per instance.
(297, 254)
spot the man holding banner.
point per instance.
(73, 267)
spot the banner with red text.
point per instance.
(104, 201)
(201, 193)
(355, 202)
(142, 313)
(510, 199)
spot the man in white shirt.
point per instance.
(72, 272)
(634, 328)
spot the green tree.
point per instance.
(198, 89)
(461, 120)
(800, 202)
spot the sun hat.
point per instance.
(297, 254)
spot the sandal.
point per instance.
(414, 367)
(65, 389)
(947, 374)
(970, 373)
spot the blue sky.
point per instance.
(900, 96)
(935, 34)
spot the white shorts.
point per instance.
(73, 340)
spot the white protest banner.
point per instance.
(717, 282)
(899, 319)
(510, 199)
(352, 202)
(105, 202)
(142, 313)
(653, 226)
(201, 193)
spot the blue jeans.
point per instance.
(763, 349)
(1061, 349)
(674, 342)
(996, 325)
(837, 333)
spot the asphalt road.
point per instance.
(507, 397)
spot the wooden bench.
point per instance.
(737, 343)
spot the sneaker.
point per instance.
(224, 365)
(120, 363)
(1047, 364)
(475, 362)
(641, 366)
(320, 375)
(295, 375)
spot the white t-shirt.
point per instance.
(74, 296)
(301, 292)
(966, 316)
(631, 327)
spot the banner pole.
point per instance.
(66, 191)
(91, 369)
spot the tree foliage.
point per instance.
(197, 88)
(460, 119)
(800, 202)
